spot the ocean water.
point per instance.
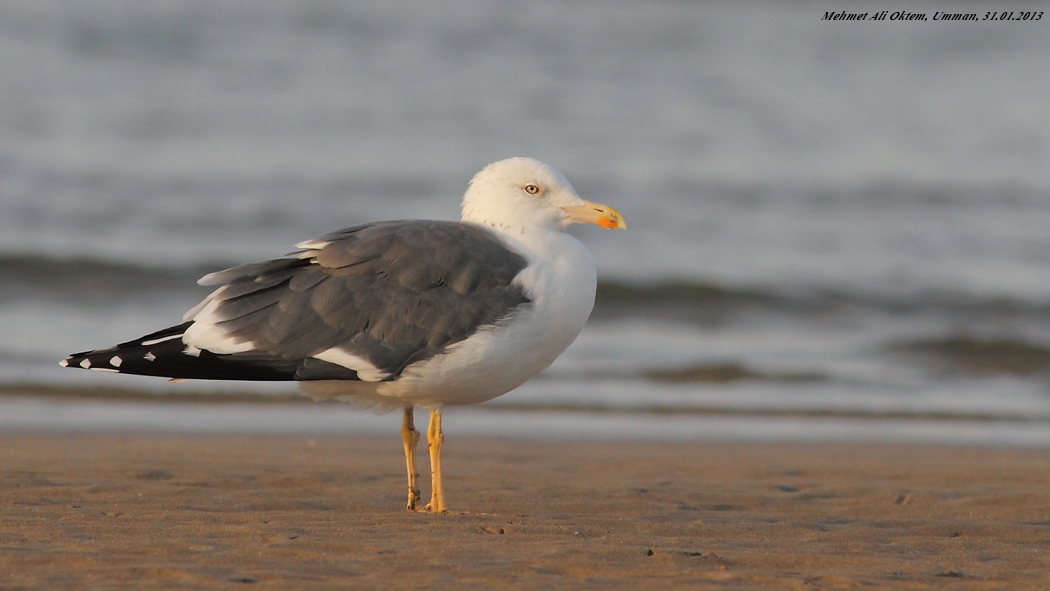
(825, 217)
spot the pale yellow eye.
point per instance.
(531, 189)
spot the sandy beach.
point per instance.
(140, 511)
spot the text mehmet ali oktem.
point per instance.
(904, 15)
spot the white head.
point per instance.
(521, 193)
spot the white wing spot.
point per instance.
(155, 341)
(64, 363)
(149, 356)
(115, 361)
(86, 364)
(192, 351)
(365, 370)
(313, 244)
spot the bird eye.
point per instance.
(531, 189)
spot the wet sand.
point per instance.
(120, 511)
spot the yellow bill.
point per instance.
(596, 213)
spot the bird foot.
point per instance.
(436, 510)
(413, 498)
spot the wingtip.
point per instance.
(64, 362)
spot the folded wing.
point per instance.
(362, 303)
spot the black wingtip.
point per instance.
(106, 360)
(162, 354)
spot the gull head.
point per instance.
(522, 193)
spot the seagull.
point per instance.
(399, 314)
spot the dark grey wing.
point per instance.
(385, 294)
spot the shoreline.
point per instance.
(51, 392)
(43, 416)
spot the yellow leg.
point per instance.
(411, 438)
(435, 437)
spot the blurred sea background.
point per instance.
(831, 223)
